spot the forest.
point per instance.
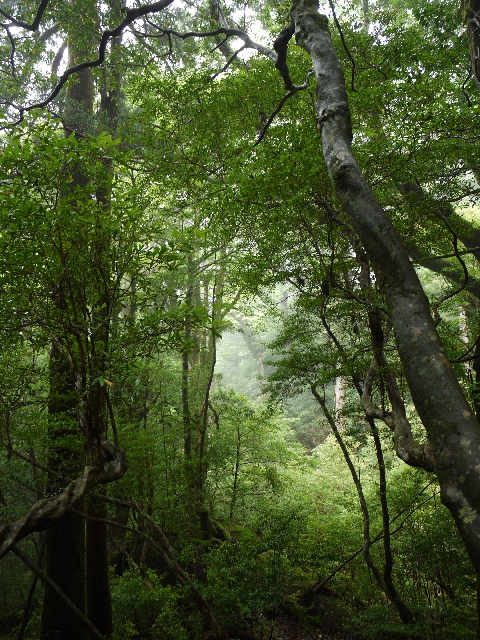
(239, 319)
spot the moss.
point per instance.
(296, 611)
(310, 7)
(469, 7)
(220, 531)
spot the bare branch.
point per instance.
(347, 50)
(448, 255)
(167, 553)
(236, 33)
(278, 108)
(30, 461)
(218, 17)
(109, 34)
(228, 63)
(24, 25)
(12, 52)
(457, 254)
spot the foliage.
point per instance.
(136, 243)
(145, 608)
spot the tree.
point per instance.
(396, 295)
(450, 423)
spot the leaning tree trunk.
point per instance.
(452, 429)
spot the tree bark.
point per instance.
(65, 566)
(65, 540)
(471, 16)
(99, 600)
(448, 419)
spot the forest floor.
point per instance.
(286, 628)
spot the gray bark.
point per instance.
(448, 419)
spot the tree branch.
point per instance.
(109, 34)
(236, 33)
(342, 38)
(24, 25)
(45, 512)
(406, 447)
(318, 585)
(280, 46)
(278, 108)
(12, 52)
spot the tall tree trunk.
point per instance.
(452, 429)
(65, 540)
(99, 600)
(471, 16)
